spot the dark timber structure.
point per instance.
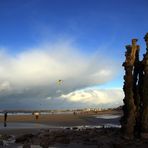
(135, 110)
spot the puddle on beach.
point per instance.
(18, 125)
(107, 116)
(42, 126)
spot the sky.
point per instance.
(81, 42)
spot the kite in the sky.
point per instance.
(59, 82)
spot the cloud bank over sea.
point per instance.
(29, 79)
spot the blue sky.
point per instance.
(95, 22)
(96, 30)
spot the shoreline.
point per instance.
(28, 123)
(61, 120)
(70, 136)
(55, 124)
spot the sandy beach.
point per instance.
(20, 125)
(65, 131)
(65, 119)
(80, 119)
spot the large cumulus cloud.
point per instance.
(96, 97)
(30, 77)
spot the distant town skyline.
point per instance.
(81, 42)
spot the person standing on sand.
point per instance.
(5, 119)
(36, 115)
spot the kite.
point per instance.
(59, 82)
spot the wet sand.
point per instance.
(22, 125)
(65, 131)
(59, 120)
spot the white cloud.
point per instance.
(96, 96)
(33, 73)
(5, 85)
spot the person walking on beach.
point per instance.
(36, 115)
(5, 119)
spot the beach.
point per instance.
(62, 119)
(19, 125)
(88, 130)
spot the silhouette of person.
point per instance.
(5, 119)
